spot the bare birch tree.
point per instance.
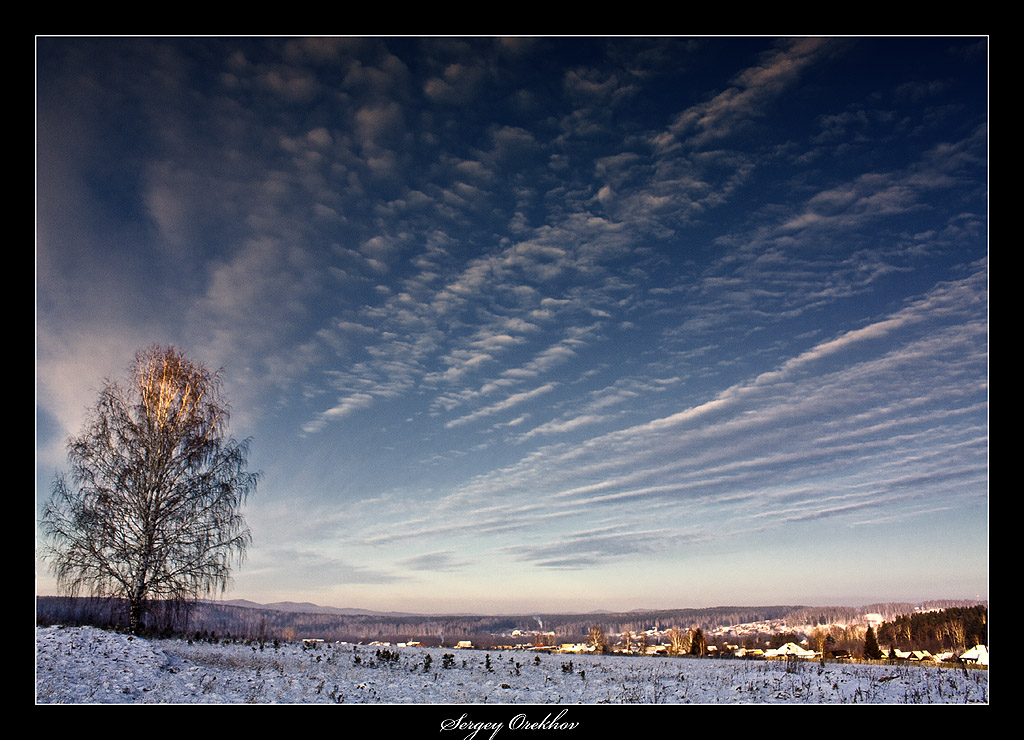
(596, 639)
(957, 634)
(151, 509)
(678, 641)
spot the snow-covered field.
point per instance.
(84, 665)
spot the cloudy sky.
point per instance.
(544, 324)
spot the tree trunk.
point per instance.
(136, 610)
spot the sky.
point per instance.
(543, 324)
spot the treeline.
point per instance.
(213, 618)
(888, 610)
(571, 627)
(954, 628)
(829, 615)
(109, 613)
(206, 620)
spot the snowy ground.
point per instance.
(90, 666)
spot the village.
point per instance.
(676, 642)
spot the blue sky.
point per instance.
(544, 324)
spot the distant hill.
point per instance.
(305, 607)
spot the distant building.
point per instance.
(790, 649)
(575, 647)
(748, 653)
(977, 655)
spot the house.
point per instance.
(574, 647)
(977, 655)
(748, 653)
(789, 650)
(464, 644)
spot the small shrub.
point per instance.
(388, 656)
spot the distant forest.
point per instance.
(215, 620)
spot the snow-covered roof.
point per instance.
(790, 648)
(978, 653)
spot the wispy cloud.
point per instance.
(441, 561)
(749, 96)
(587, 549)
(504, 405)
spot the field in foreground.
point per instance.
(83, 665)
